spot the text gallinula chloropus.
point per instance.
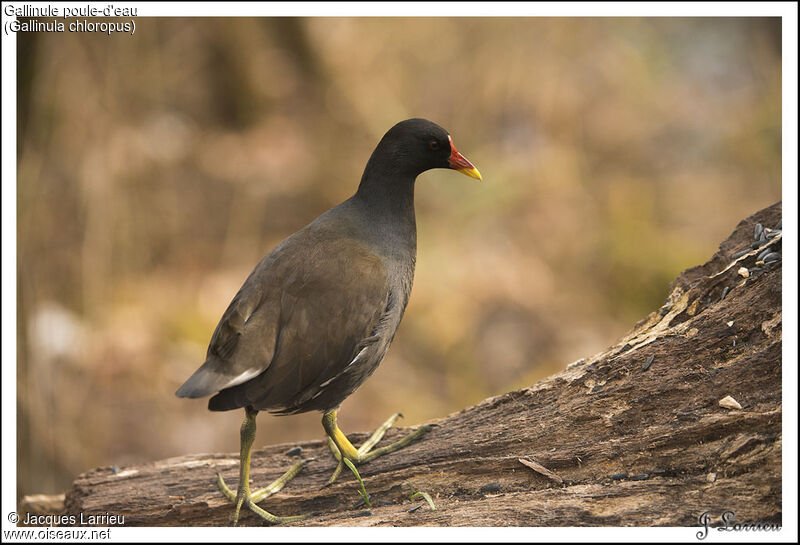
(316, 316)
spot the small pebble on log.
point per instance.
(729, 403)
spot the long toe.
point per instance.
(244, 498)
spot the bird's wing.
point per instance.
(226, 363)
(330, 304)
(231, 325)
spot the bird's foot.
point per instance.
(243, 497)
(365, 453)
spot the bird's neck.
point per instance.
(388, 205)
(388, 196)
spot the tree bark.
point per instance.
(634, 436)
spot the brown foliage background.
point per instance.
(155, 170)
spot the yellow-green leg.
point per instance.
(340, 445)
(243, 496)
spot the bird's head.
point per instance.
(416, 145)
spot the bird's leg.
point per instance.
(338, 456)
(376, 436)
(243, 496)
(340, 445)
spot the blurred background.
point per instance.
(155, 170)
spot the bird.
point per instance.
(316, 316)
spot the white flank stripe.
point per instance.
(340, 374)
(357, 356)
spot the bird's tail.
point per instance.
(214, 375)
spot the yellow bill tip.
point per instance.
(471, 172)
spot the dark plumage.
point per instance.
(316, 316)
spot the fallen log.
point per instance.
(634, 436)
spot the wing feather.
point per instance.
(226, 363)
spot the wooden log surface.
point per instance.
(633, 436)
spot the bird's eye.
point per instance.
(434, 145)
